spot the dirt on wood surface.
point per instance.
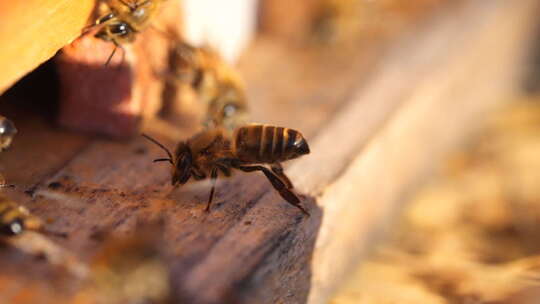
(471, 235)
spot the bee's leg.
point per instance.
(99, 21)
(226, 170)
(213, 180)
(278, 170)
(112, 54)
(105, 18)
(278, 184)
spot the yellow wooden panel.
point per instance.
(32, 31)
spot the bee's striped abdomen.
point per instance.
(268, 144)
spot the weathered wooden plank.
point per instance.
(441, 110)
(253, 247)
(106, 186)
(437, 110)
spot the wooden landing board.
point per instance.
(375, 126)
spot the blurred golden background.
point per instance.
(472, 233)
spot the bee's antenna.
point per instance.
(116, 46)
(160, 145)
(111, 56)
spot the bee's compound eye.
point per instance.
(229, 109)
(7, 127)
(120, 29)
(16, 227)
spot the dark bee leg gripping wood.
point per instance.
(279, 185)
(278, 170)
(213, 180)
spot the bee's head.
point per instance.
(181, 165)
(14, 227)
(117, 31)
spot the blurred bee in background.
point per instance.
(128, 270)
(351, 21)
(338, 20)
(124, 20)
(7, 132)
(26, 232)
(216, 84)
(249, 149)
(14, 218)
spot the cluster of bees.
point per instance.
(226, 143)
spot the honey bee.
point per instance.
(33, 238)
(248, 149)
(14, 218)
(125, 19)
(338, 20)
(218, 86)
